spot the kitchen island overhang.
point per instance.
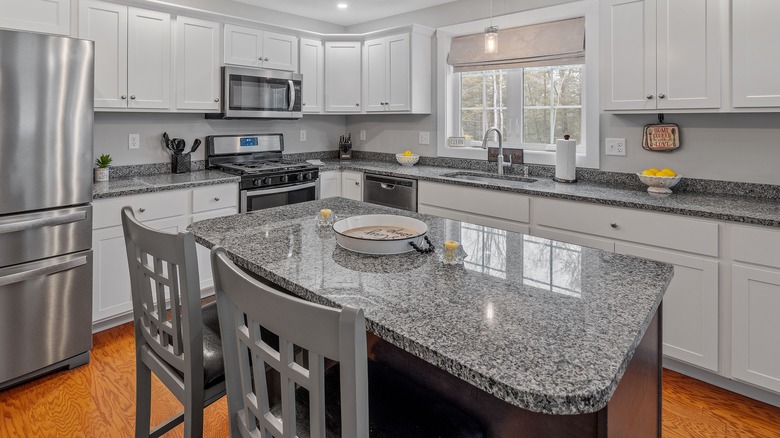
(542, 326)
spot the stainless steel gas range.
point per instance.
(266, 180)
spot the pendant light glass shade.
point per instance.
(491, 39)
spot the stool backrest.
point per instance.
(245, 305)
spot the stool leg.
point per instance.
(143, 399)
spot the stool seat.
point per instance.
(213, 365)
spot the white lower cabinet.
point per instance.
(330, 184)
(352, 185)
(170, 211)
(690, 320)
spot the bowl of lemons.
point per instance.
(659, 181)
(407, 158)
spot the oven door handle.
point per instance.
(280, 190)
(291, 93)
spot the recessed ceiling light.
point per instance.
(342, 5)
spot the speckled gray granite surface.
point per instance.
(158, 182)
(743, 208)
(546, 327)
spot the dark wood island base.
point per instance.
(633, 411)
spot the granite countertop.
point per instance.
(159, 182)
(750, 210)
(546, 326)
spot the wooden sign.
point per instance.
(662, 137)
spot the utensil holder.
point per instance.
(181, 163)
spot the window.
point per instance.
(531, 106)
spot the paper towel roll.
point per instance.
(565, 160)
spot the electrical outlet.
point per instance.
(303, 135)
(362, 134)
(134, 141)
(615, 146)
(425, 137)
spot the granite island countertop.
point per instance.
(744, 209)
(548, 327)
(159, 182)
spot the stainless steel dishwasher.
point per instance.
(390, 191)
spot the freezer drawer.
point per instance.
(44, 234)
(45, 313)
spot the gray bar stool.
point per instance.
(175, 338)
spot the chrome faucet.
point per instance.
(500, 158)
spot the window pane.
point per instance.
(536, 86)
(568, 85)
(471, 124)
(568, 121)
(537, 126)
(471, 91)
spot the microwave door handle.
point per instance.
(291, 94)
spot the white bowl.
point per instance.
(379, 233)
(659, 184)
(407, 160)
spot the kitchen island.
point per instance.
(532, 337)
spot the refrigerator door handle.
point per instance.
(43, 222)
(40, 271)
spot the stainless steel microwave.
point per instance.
(253, 93)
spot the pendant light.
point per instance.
(491, 34)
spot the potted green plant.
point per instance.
(102, 163)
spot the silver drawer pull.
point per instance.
(141, 210)
(357, 183)
(43, 222)
(216, 198)
(613, 225)
(649, 96)
(42, 270)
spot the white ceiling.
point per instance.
(358, 11)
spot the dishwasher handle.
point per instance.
(390, 181)
(387, 186)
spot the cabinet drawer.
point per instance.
(755, 245)
(656, 229)
(146, 207)
(502, 205)
(214, 197)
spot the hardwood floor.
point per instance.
(97, 400)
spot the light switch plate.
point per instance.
(134, 141)
(615, 146)
(425, 137)
(362, 134)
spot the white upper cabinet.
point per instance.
(197, 64)
(396, 73)
(660, 54)
(342, 76)
(257, 48)
(756, 60)
(132, 55)
(48, 16)
(312, 67)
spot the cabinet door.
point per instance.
(197, 64)
(312, 67)
(330, 184)
(688, 54)
(756, 60)
(48, 16)
(106, 25)
(690, 320)
(398, 93)
(148, 59)
(755, 305)
(352, 185)
(111, 275)
(628, 54)
(375, 75)
(342, 76)
(243, 46)
(280, 52)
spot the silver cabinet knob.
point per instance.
(141, 210)
(124, 96)
(216, 99)
(357, 183)
(357, 104)
(216, 198)
(661, 96)
(304, 104)
(132, 97)
(613, 225)
(265, 59)
(649, 97)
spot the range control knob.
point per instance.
(299, 177)
(307, 176)
(283, 178)
(267, 181)
(256, 182)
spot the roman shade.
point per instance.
(554, 43)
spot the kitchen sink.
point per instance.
(487, 178)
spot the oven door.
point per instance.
(260, 199)
(253, 93)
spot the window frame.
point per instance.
(448, 87)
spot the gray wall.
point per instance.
(112, 130)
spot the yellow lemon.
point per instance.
(669, 172)
(407, 153)
(649, 172)
(654, 170)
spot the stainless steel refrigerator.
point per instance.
(46, 92)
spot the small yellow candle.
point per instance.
(325, 213)
(451, 244)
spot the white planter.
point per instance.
(101, 174)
